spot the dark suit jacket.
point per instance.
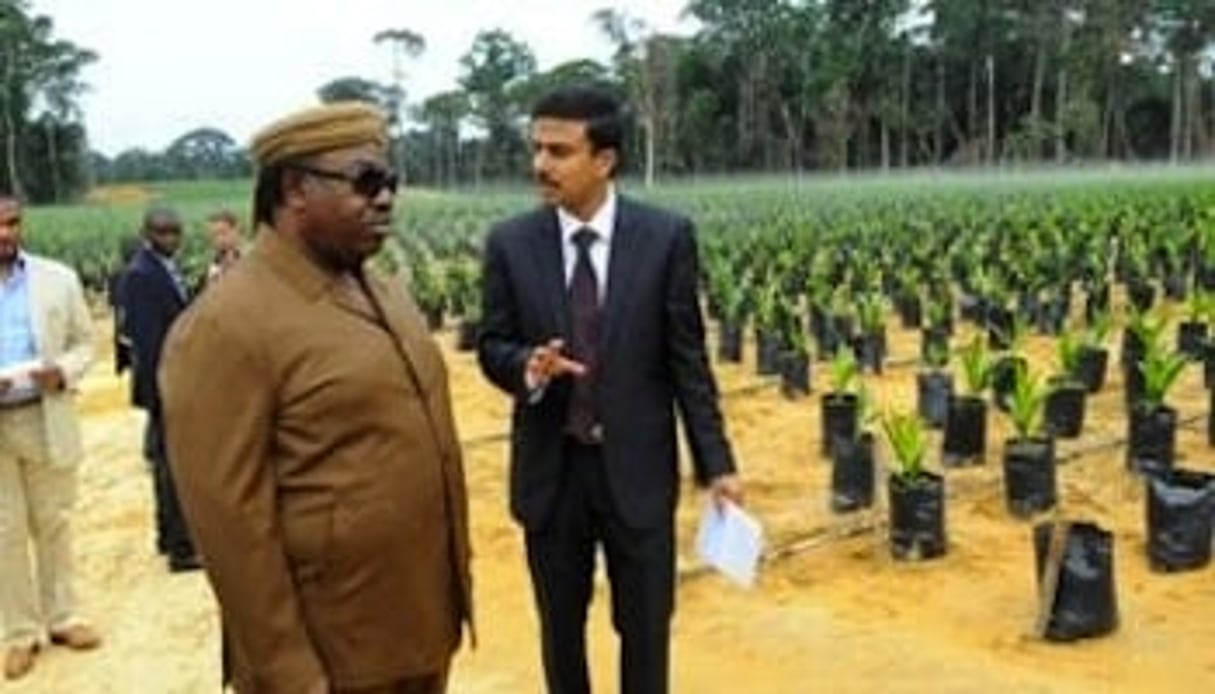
(651, 359)
(151, 302)
(122, 341)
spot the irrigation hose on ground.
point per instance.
(865, 522)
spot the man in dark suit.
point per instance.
(153, 294)
(591, 321)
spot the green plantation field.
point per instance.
(88, 235)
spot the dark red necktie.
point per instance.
(584, 323)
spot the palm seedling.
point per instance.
(1153, 423)
(966, 417)
(1143, 333)
(1192, 333)
(1027, 402)
(934, 386)
(1029, 457)
(1160, 373)
(917, 496)
(908, 443)
(976, 366)
(840, 407)
(871, 312)
(795, 356)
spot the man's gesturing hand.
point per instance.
(546, 363)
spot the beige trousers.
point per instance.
(36, 501)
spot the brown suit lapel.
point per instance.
(392, 311)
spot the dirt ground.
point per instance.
(831, 611)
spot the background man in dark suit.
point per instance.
(153, 294)
(591, 320)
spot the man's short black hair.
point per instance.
(597, 107)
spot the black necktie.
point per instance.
(584, 321)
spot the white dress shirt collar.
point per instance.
(602, 222)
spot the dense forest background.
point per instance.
(762, 86)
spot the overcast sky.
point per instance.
(168, 66)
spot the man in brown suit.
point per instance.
(310, 433)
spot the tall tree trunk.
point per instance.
(745, 97)
(648, 127)
(1210, 122)
(1193, 118)
(861, 130)
(453, 157)
(938, 145)
(10, 153)
(10, 129)
(478, 163)
(1175, 126)
(991, 109)
(1122, 141)
(793, 139)
(1035, 100)
(972, 115)
(1061, 95)
(885, 140)
(905, 110)
(53, 156)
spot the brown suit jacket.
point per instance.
(318, 465)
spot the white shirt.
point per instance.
(602, 223)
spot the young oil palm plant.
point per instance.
(1027, 402)
(1029, 457)
(965, 440)
(908, 443)
(1152, 422)
(840, 407)
(976, 366)
(1160, 373)
(1192, 332)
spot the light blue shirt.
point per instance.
(17, 343)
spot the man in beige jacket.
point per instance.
(46, 343)
(310, 434)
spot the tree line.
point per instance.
(760, 86)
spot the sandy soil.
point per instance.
(832, 613)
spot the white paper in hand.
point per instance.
(730, 540)
(20, 376)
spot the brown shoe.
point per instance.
(19, 661)
(78, 637)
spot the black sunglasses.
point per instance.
(366, 180)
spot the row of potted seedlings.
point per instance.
(1180, 504)
(1009, 277)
